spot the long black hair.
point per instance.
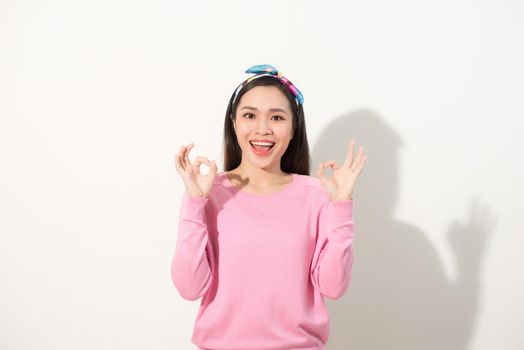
(296, 159)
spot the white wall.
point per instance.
(96, 97)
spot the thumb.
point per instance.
(213, 167)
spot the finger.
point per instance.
(185, 156)
(188, 149)
(359, 159)
(320, 170)
(199, 160)
(204, 160)
(331, 163)
(196, 166)
(178, 165)
(360, 163)
(179, 158)
(320, 173)
(324, 179)
(361, 166)
(213, 167)
(349, 157)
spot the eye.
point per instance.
(247, 115)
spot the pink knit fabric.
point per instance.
(263, 264)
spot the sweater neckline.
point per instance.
(239, 191)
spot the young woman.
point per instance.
(263, 242)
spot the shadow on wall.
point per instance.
(399, 296)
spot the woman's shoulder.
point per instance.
(308, 183)
(222, 182)
(219, 179)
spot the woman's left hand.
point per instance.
(340, 185)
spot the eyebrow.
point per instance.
(271, 109)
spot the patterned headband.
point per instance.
(266, 70)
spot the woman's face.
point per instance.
(263, 114)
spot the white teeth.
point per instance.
(262, 143)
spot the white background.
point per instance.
(96, 97)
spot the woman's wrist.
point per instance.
(194, 194)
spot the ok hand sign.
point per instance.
(196, 183)
(340, 185)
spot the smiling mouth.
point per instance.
(261, 149)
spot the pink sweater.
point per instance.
(263, 264)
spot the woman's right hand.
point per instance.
(196, 184)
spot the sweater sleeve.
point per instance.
(333, 257)
(190, 267)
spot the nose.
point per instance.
(263, 126)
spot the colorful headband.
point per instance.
(266, 70)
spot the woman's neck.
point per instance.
(258, 178)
